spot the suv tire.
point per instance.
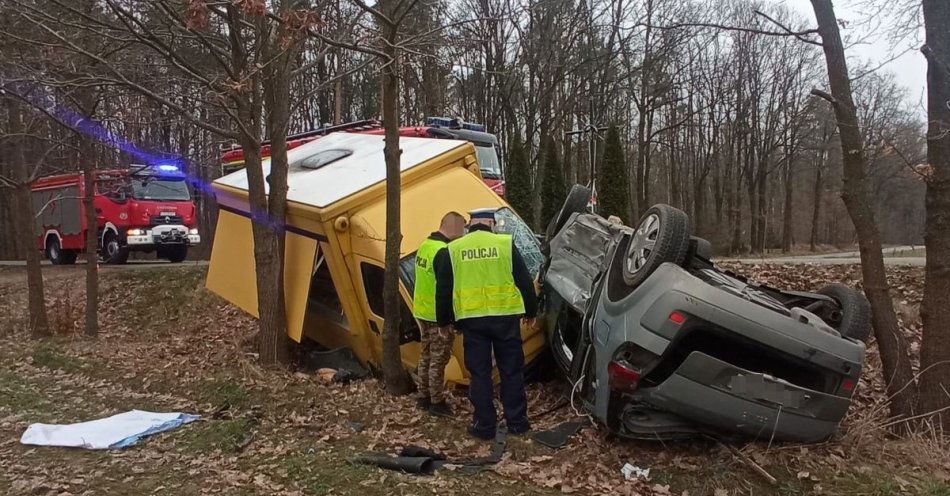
(855, 311)
(662, 235)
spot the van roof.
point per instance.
(364, 167)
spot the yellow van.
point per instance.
(336, 220)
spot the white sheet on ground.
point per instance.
(117, 431)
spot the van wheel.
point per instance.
(112, 251)
(174, 253)
(57, 255)
(661, 236)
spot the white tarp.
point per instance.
(117, 431)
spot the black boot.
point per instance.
(441, 409)
(423, 403)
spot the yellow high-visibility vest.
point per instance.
(483, 284)
(423, 292)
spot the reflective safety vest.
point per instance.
(423, 293)
(483, 284)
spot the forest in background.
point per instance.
(718, 122)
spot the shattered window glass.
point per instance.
(507, 221)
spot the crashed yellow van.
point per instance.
(336, 219)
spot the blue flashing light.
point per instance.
(473, 127)
(167, 168)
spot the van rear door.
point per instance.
(231, 273)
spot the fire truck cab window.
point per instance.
(160, 189)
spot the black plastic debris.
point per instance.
(560, 434)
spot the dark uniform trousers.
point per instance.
(481, 336)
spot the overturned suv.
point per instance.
(658, 343)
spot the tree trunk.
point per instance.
(787, 234)
(39, 325)
(935, 381)
(92, 238)
(816, 206)
(892, 344)
(394, 374)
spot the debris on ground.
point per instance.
(117, 431)
(558, 436)
(631, 472)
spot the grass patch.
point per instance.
(21, 396)
(223, 392)
(870, 484)
(174, 295)
(315, 474)
(935, 488)
(219, 435)
(47, 355)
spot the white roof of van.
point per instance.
(338, 179)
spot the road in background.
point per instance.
(912, 256)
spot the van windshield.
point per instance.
(506, 221)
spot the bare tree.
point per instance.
(935, 381)
(895, 351)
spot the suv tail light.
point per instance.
(622, 376)
(847, 385)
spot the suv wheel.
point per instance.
(855, 311)
(661, 236)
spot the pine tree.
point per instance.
(518, 188)
(553, 190)
(613, 190)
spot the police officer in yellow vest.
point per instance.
(483, 286)
(436, 339)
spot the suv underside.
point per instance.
(659, 343)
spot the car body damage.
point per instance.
(659, 343)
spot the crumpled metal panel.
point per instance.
(578, 255)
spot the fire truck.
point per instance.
(486, 144)
(142, 208)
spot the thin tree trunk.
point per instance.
(935, 382)
(39, 325)
(816, 206)
(787, 207)
(895, 352)
(394, 374)
(92, 258)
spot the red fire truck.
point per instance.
(142, 208)
(486, 144)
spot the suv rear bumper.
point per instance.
(717, 394)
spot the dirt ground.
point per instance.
(167, 344)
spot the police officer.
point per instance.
(484, 287)
(436, 339)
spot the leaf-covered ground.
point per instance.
(167, 344)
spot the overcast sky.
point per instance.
(910, 69)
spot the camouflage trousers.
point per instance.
(436, 350)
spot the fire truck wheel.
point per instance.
(174, 253)
(112, 251)
(57, 255)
